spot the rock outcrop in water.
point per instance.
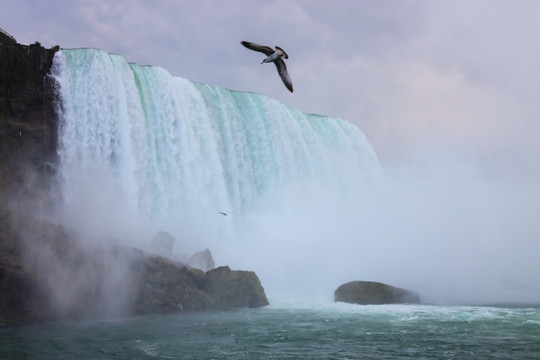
(165, 286)
(231, 289)
(374, 293)
(45, 274)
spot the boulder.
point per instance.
(166, 286)
(232, 289)
(202, 260)
(374, 293)
(163, 243)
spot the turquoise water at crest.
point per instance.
(292, 331)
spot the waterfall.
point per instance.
(142, 151)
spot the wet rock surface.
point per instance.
(28, 129)
(374, 293)
(45, 274)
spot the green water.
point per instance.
(292, 331)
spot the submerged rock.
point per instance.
(374, 293)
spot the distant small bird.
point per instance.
(276, 56)
(224, 213)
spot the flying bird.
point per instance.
(276, 56)
(224, 213)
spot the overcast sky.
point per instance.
(461, 74)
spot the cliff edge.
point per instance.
(28, 135)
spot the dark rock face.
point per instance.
(374, 293)
(21, 298)
(168, 287)
(28, 133)
(232, 289)
(16, 286)
(165, 286)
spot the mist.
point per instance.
(440, 223)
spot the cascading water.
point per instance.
(143, 151)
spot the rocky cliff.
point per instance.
(18, 290)
(27, 117)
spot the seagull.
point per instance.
(276, 56)
(224, 213)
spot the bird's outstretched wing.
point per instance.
(282, 71)
(256, 47)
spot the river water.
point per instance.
(292, 331)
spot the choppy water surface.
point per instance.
(292, 331)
